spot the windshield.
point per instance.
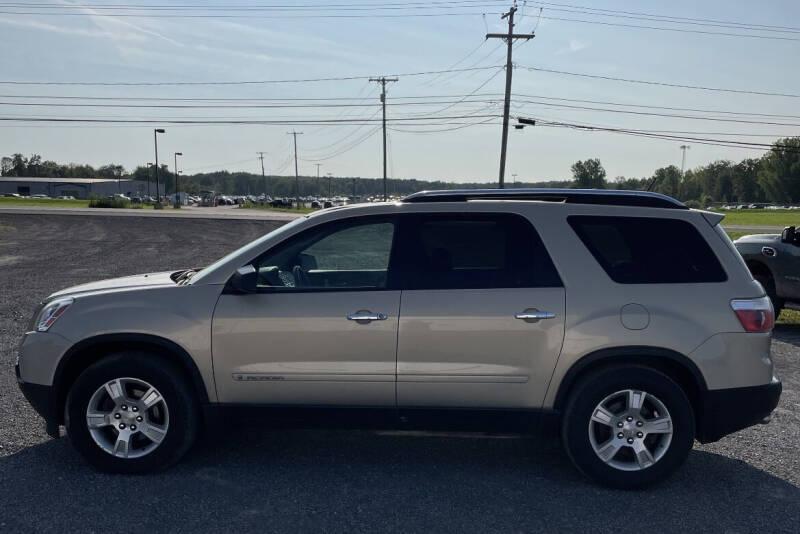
(243, 250)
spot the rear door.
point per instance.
(482, 312)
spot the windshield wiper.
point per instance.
(182, 277)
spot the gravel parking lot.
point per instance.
(253, 478)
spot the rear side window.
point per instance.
(643, 250)
(476, 251)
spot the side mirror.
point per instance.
(789, 235)
(244, 280)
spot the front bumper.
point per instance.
(42, 399)
(725, 411)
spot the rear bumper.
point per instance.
(41, 398)
(725, 411)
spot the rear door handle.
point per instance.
(367, 316)
(534, 315)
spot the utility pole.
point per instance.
(263, 177)
(514, 176)
(684, 148)
(318, 166)
(509, 39)
(296, 171)
(354, 190)
(383, 80)
(330, 179)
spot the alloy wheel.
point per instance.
(630, 430)
(127, 417)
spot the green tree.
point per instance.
(589, 174)
(779, 176)
(667, 181)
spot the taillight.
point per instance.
(756, 315)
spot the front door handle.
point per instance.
(533, 315)
(366, 316)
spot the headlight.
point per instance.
(51, 312)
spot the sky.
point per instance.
(434, 128)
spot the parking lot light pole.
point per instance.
(177, 200)
(157, 131)
(149, 166)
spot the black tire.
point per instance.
(768, 283)
(184, 415)
(590, 391)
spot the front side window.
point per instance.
(645, 250)
(349, 255)
(477, 251)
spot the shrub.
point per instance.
(106, 202)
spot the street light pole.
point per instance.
(157, 131)
(177, 199)
(149, 166)
(684, 148)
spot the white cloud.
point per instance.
(81, 32)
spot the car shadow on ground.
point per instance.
(788, 333)
(301, 480)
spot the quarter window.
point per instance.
(644, 250)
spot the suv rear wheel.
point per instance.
(131, 412)
(628, 426)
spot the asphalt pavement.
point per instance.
(249, 478)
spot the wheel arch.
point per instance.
(757, 267)
(91, 350)
(674, 364)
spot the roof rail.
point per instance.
(608, 197)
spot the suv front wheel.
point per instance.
(628, 426)
(131, 412)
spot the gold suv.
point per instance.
(622, 318)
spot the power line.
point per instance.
(550, 5)
(248, 16)
(654, 114)
(347, 148)
(243, 82)
(701, 140)
(664, 84)
(680, 30)
(451, 129)
(472, 97)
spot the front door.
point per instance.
(322, 330)
(482, 321)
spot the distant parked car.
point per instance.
(774, 260)
(12, 195)
(40, 196)
(66, 197)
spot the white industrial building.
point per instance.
(76, 187)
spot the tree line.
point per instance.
(774, 177)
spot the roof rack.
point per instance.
(570, 196)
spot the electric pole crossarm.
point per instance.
(512, 36)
